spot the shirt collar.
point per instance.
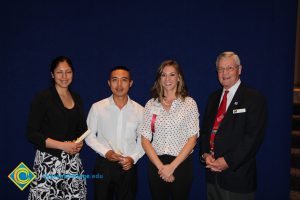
(112, 102)
(176, 101)
(234, 88)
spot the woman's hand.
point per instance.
(79, 146)
(170, 179)
(68, 147)
(166, 173)
(72, 147)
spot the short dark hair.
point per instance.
(58, 60)
(120, 68)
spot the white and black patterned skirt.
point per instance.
(57, 178)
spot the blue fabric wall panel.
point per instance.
(98, 35)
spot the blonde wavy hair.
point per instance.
(157, 89)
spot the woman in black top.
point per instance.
(56, 119)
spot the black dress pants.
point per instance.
(115, 181)
(215, 192)
(179, 188)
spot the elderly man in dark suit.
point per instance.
(232, 132)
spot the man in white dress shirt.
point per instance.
(113, 123)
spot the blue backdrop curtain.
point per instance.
(98, 35)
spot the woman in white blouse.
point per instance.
(169, 132)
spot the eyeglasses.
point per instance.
(228, 68)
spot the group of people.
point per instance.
(167, 130)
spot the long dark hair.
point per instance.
(58, 60)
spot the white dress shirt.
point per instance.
(114, 129)
(173, 128)
(231, 93)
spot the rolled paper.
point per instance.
(84, 135)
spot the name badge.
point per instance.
(236, 111)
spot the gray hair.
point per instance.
(228, 54)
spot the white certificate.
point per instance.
(84, 135)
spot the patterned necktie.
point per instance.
(218, 120)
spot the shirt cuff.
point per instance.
(148, 136)
(135, 158)
(104, 151)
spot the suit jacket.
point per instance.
(48, 118)
(238, 139)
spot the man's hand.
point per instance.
(208, 158)
(218, 165)
(126, 163)
(113, 156)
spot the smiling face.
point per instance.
(229, 72)
(62, 75)
(169, 78)
(120, 82)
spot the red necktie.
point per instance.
(218, 120)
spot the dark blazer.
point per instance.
(238, 138)
(48, 118)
